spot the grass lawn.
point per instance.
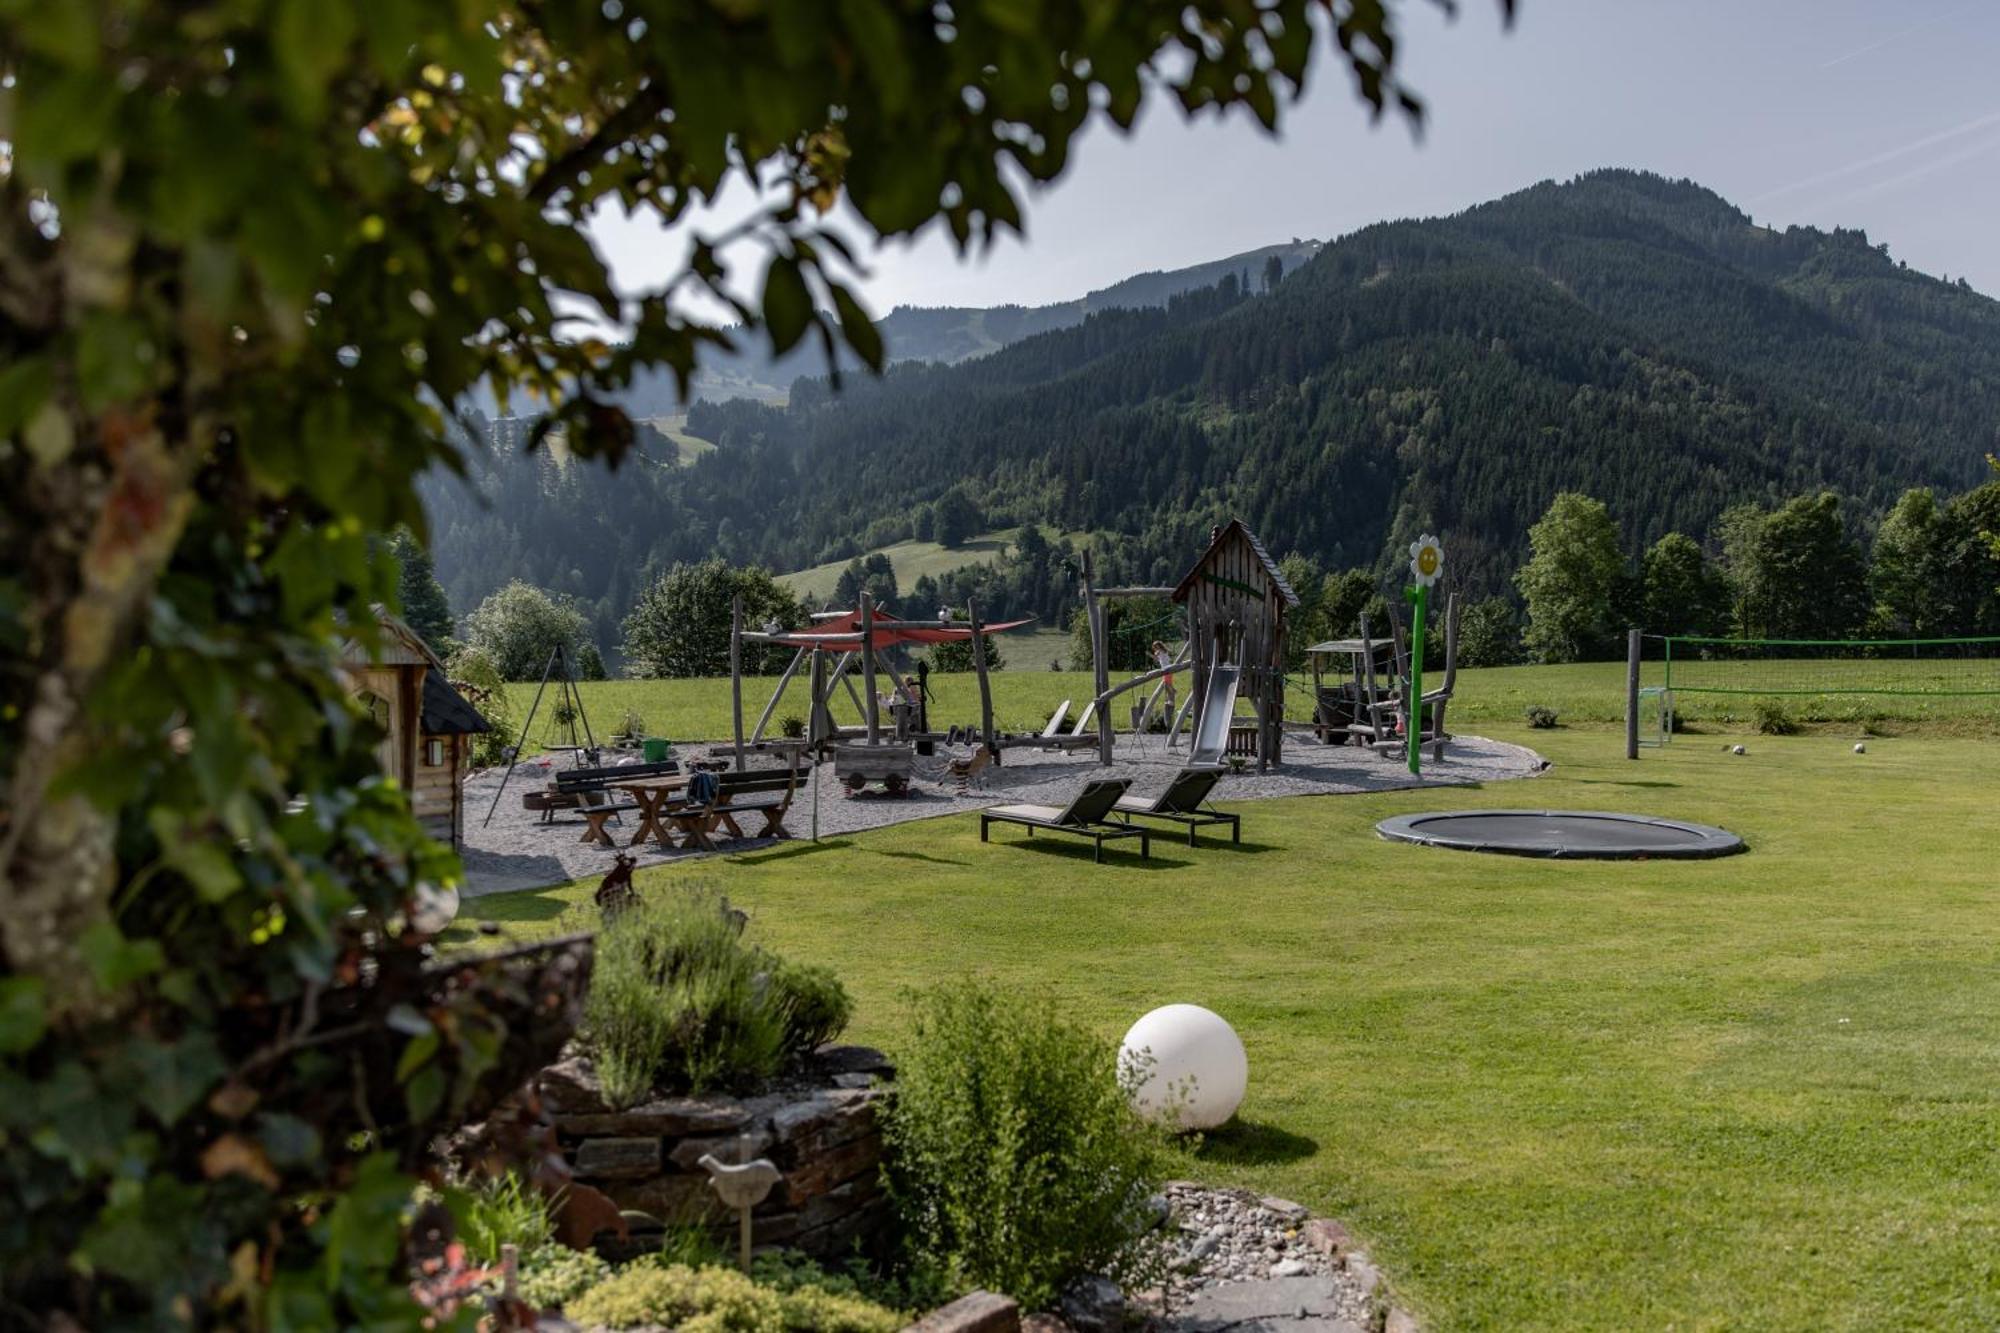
(1751, 1093)
(1590, 694)
(911, 561)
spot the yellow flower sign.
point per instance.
(1426, 560)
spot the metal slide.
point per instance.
(1217, 708)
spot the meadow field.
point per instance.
(1749, 1093)
(1587, 695)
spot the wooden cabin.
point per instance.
(427, 724)
(1236, 604)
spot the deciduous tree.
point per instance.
(1572, 580)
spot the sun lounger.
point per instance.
(1181, 803)
(1088, 816)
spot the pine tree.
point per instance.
(421, 598)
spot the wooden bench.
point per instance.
(587, 790)
(764, 791)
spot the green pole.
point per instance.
(1419, 598)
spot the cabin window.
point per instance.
(378, 708)
(434, 751)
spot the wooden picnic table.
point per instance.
(650, 794)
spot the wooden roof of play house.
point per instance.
(1236, 560)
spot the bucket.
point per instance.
(654, 748)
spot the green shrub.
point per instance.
(474, 675)
(721, 1300)
(1014, 1160)
(1541, 717)
(678, 1001)
(791, 726)
(552, 1276)
(1773, 719)
(632, 724)
(502, 1210)
(917, 1289)
(814, 1005)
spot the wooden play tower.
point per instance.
(1236, 603)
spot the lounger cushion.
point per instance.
(1045, 814)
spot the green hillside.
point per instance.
(1633, 337)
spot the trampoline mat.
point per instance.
(1581, 834)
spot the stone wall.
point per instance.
(819, 1130)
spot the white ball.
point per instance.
(1187, 1065)
(1737, 749)
(1859, 748)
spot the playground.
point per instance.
(518, 851)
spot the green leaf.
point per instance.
(416, 1053)
(115, 961)
(312, 40)
(207, 867)
(23, 387)
(857, 328)
(424, 1093)
(173, 1076)
(23, 1016)
(288, 1140)
(787, 305)
(114, 360)
(363, 1231)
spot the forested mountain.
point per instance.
(1636, 338)
(956, 333)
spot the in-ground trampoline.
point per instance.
(1572, 834)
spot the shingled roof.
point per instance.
(445, 712)
(1263, 557)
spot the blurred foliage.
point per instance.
(251, 254)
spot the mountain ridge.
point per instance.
(1620, 333)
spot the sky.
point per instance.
(1877, 114)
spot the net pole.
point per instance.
(1632, 694)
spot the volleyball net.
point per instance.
(1781, 668)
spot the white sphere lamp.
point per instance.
(1185, 1066)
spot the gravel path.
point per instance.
(518, 851)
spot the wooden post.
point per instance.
(979, 668)
(764, 719)
(736, 674)
(1632, 694)
(1100, 670)
(870, 705)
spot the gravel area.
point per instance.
(1229, 1236)
(519, 851)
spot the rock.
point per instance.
(669, 1117)
(676, 1199)
(853, 1060)
(980, 1312)
(1327, 1236)
(687, 1154)
(1401, 1321)
(831, 1167)
(1364, 1272)
(569, 1087)
(1285, 1208)
(1043, 1323)
(1093, 1305)
(855, 1080)
(1192, 1257)
(617, 1159)
(1156, 1212)
(1267, 1305)
(1288, 1268)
